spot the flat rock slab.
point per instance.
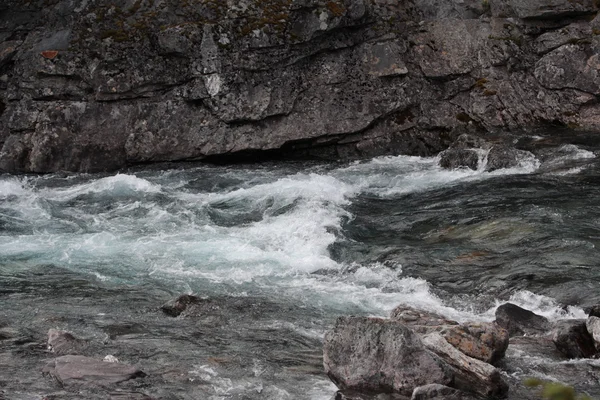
(70, 370)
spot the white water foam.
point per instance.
(300, 217)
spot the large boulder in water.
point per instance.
(502, 156)
(460, 158)
(470, 374)
(518, 321)
(379, 356)
(572, 338)
(465, 152)
(485, 341)
(69, 370)
(593, 327)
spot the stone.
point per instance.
(78, 370)
(412, 317)
(570, 66)
(351, 395)
(572, 338)
(594, 311)
(502, 156)
(484, 341)
(379, 356)
(440, 392)
(175, 307)
(470, 375)
(330, 80)
(593, 327)
(62, 342)
(519, 321)
(542, 9)
(460, 158)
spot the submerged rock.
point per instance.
(62, 342)
(379, 356)
(73, 370)
(572, 338)
(519, 321)
(175, 307)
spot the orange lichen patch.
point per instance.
(49, 54)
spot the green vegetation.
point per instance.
(555, 390)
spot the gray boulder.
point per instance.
(379, 356)
(470, 375)
(460, 158)
(77, 370)
(502, 156)
(483, 341)
(62, 342)
(439, 392)
(519, 321)
(593, 327)
(572, 338)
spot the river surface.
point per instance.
(284, 248)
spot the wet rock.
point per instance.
(483, 341)
(466, 152)
(460, 158)
(413, 317)
(501, 156)
(351, 395)
(519, 321)
(379, 356)
(175, 307)
(594, 311)
(439, 392)
(593, 327)
(573, 340)
(62, 342)
(74, 370)
(470, 375)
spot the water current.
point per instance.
(302, 243)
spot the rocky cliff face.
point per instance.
(97, 85)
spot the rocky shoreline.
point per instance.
(420, 355)
(94, 86)
(413, 355)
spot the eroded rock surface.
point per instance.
(74, 370)
(93, 86)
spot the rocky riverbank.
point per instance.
(421, 355)
(94, 86)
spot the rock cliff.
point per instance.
(98, 85)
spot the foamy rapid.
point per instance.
(261, 232)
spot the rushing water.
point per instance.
(311, 241)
